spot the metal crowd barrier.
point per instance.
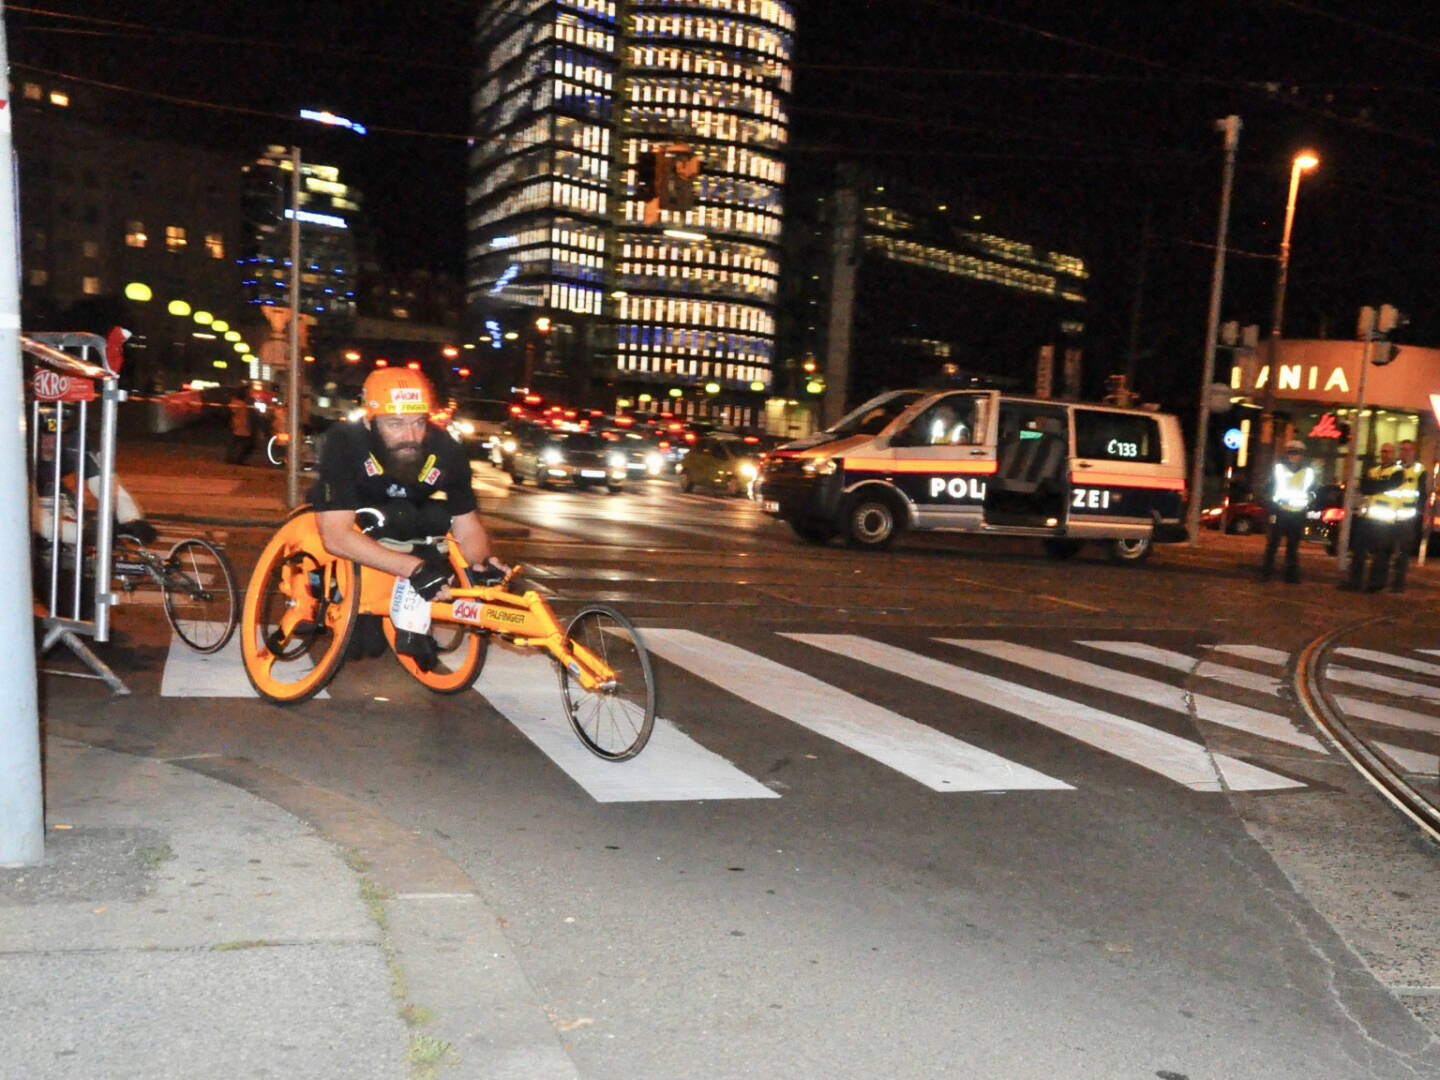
(73, 528)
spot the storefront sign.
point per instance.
(1325, 428)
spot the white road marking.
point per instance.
(1390, 715)
(1267, 725)
(1354, 676)
(1385, 659)
(672, 767)
(932, 758)
(1169, 755)
(1263, 653)
(213, 675)
(1178, 661)
(1414, 762)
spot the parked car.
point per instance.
(578, 458)
(1240, 514)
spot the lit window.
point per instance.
(60, 98)
(135, 234)
(39, 277)
(90, 249)
(33, 92)
(215, 245)
(90, 286)
(174, 237)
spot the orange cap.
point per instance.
(397, 392)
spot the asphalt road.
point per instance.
(952, 810)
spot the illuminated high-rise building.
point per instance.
(329, 211)
(571, 100)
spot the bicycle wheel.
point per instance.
(462, 650)
(615, 719)
(299, 613)
(199, 592)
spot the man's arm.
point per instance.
(344, 541)
(472, 536)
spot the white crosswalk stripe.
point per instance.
(209, 675)
(1215, 710)
(928, 756)
(1178, 759)
(671, 767)
(1385, 659)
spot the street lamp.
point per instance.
(1304, 161)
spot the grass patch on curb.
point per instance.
(424, 1053)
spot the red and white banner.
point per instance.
(52, 386)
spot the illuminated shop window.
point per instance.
(174, 237)
(214, 245)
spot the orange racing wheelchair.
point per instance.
(301, 607)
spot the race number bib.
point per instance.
(408, 609)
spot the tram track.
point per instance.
(1372, 766)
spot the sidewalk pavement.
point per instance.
(181, 927)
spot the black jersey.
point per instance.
(352, 473)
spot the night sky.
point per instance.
(1073, 122)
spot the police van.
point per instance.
(978, 461)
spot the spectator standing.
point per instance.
(1407, 497)
(242, 427)
(1372, 534)
(1292, 485)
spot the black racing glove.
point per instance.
(492, 572)
(431, 576)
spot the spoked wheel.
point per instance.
(298, 615)
(200, 598)
(615, 719)
(462, 651)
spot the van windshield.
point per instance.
(875, 415)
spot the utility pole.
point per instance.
(844, 253)
(292, 461)
(1231, 127)
(22, 809)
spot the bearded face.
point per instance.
(400, 440)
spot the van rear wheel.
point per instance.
(870, 523)
(1135, 549)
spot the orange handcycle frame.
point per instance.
(320, 596)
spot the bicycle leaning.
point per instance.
(196, 583)
(302, 604)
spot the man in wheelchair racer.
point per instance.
(400, 478)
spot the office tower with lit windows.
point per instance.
(329, 213)
(570, 101)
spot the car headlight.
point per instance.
(357, 413)
(465, 427)
(508, 445)
(551, 455)
(820, 466)
(747, 470)
(654, 463)
(617, 461)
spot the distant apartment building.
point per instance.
(104, 209)
(895, 287)
(580, 292)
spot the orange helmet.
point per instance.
(397, 392)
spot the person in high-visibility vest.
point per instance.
(1292, 485)
(1405, 501)
(1372, 533)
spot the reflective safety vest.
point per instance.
(1400, 501)
(1292, 487)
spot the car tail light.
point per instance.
(689, 436)
(1332, 515)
